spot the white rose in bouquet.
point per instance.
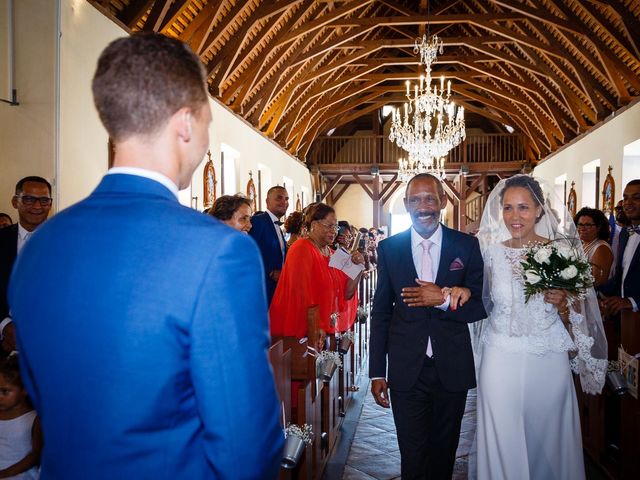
(542, 255)
(569, 272)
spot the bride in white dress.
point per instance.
(528, 422)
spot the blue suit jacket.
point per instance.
(400, 332)
(143, 335)
(263, 232)
(632, 280)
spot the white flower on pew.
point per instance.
(304, 432)
(328, 356)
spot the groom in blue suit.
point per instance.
(421, 331)
(145, 353)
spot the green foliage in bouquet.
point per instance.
(555, 265)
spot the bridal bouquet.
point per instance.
(555, 266)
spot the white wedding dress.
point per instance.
(528, 422)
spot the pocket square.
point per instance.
(456, 265)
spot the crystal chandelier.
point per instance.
(410, 167)
(431, 125)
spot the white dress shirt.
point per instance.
(279, 233)
(23, 236)
(150, 174)
(434, 252)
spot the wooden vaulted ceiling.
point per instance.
(295, 69)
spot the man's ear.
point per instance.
(14, 202)
(443, 201)
(184, 119)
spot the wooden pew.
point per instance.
(629, 406)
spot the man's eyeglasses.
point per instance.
(333, 227)
(29, 200)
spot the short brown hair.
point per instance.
(142, 80)
(316, 211)
(225, 206)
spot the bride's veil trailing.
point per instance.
(556, 224)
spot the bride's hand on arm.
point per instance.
(459, 296)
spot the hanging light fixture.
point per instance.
(430, 124)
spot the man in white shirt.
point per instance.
(32, 200)
(266, 231)
(624, 287)
(421, 333)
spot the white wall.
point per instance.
(356, 207)
(84, 154)
(606, 143)
(27, 137)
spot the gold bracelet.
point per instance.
(564, 312)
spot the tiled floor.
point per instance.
(374, 453)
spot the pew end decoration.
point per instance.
(615, 379)
(327, 363)
(346, 340)
(363, 314)
(297, 439)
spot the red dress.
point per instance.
(306, 280)
(348, 308)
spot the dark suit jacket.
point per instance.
(632, 280)
(401, 332)
(8, 253)
(263, 232)
(163, 371)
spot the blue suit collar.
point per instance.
(122, 183)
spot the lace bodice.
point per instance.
(514, 325)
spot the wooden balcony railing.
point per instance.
(377, 149)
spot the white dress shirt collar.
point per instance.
(23, 235)
(150, 174)
(436, 238)
(273, 217)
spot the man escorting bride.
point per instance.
(528, 421)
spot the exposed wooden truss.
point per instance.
(295, 69)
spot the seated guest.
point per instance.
(233, 210)
(623, 290)
(293, 225)
(593, 229)
(5, 220)
(307, 280)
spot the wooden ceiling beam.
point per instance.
(630, 24)
(250, 76)
(204, 39)
(177, 8)
(444, 19)
(324, 20)
(202, 21)
(156, 15)
(222, 62)
(629, 47)
(133, 12)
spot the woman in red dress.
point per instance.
(307, 280)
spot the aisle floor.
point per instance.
(374, 453)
